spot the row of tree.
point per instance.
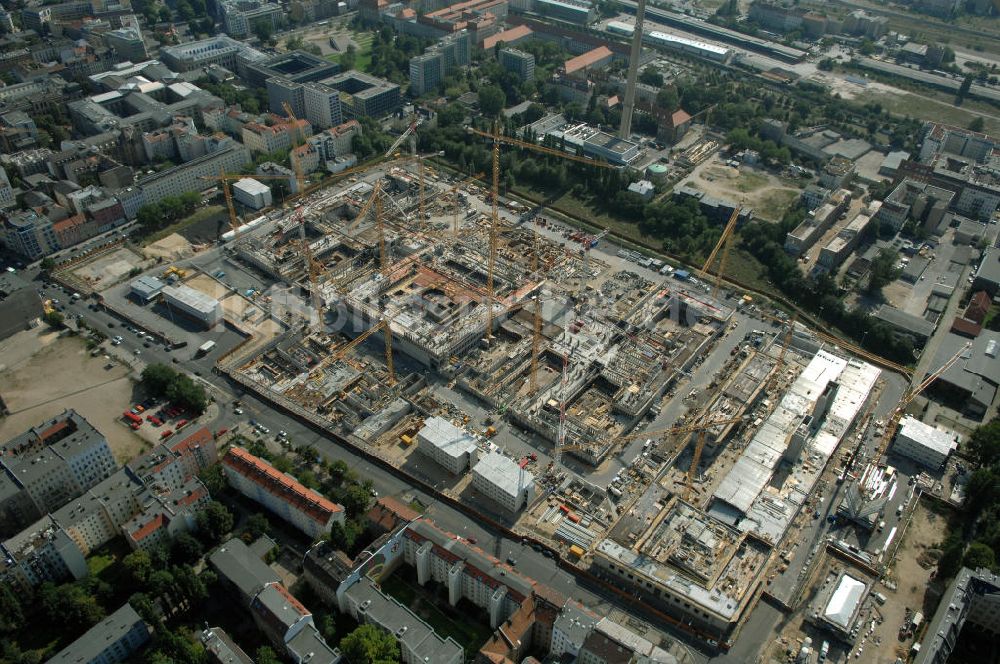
(156, 216)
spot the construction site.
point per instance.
(459, 337)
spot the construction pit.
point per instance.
(574, 356)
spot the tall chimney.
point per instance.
(633, 72)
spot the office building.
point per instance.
(296, 66)
(114, 639)
(365, 95)
(923, 443)
(221, 50)
(971, 599)
(221, 648)
(241, 17)
(501, 480)
(430, 68)
(447, 445)
(127, 42)
(286, 497)
(519, 62)
(322, 105)
(29, 234)
(193, 304)
(231, 158)
(254, 194)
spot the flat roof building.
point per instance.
(920, 442)
(193, 303)
(114, 639)
(503, 481)
(447, 445)
(146, 287)
(252, 193)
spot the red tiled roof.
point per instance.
(53, 430)
(979, 306)
(290, 598)
(966, 327)
(193, 497)
(149, 527)
(202, 436)
(679, 117)
(507, 36)
(69, 222)
(587, 59)
(281, 485)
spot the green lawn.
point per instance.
(195, 217)
(363, 58)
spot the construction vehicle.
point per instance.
(175, 272)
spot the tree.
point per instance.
(349, 58)
(667, 98)
(355, 499)
(54, 319)
(867, 47)
(979, 556)
(11, 611)
(263, 31)
(139, 566)
(826, 64)
(213, 479)
(651, 76)
(185, 548)
(69, 605)
(977, 123)
(491, 100)
(344, 537)
(215, 521)
(883, 271)
(255, 526)
(369, 645)
(963, 89)
(48, 264)
(265, 655)
(156, 378)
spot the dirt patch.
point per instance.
(106, 270)
(72, 379)
(767, 194)
(911, 574)
(171, 248)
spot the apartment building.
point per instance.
(520, 63)
(173, 513)
(230, 157)
(29, 234)
(286, 497)
(48, 465)
(113, 639)
(281, 135)
(240, 17)
(333, 144)
(429, 69)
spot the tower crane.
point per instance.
(382, 325)
(662, 433)
(497, 139)
(780, 366)
(298, 138)
(897, 413)
(722, 244)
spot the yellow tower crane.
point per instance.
(723, 245)
(497, 139)
(780, 366)
(897, 413)
(298, 138)
(337, 355)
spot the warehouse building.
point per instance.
(503, 481)
(193, 303)
(146, 288)
(254, 194)
(447, 445)
(920, 442)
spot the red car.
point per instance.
(166, 434)
(220, 432)
(180, 425)
(155, 420)
(135, 425)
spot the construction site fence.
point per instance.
(374, 455)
